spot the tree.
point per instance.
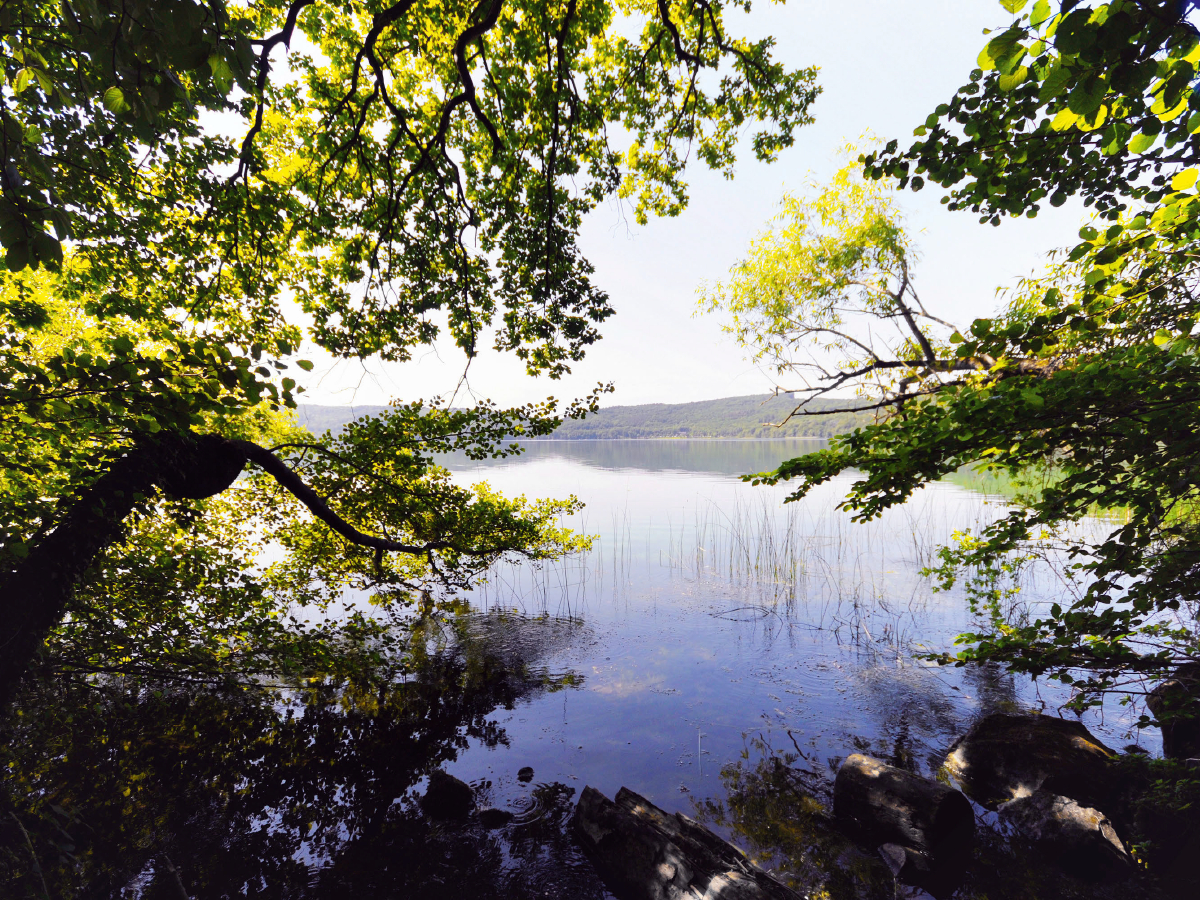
(1089, 375)
(402, 169)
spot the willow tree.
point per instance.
(398, 171)
(1091, 372)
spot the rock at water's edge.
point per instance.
(923, 829)
(644, 853)
(880, 804)
(1005, 756)
(1079, 838)
(1179, 694)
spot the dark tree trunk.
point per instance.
(34, 594)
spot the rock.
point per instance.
(923, 829)
(1078, 838)
(644, 853)
(494, 818)
(1176, 704)
(880, 804)
(909, 866)
(895, 856)
(1004, 757)
(525, 775)
(447, 797)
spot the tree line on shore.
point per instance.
(759, 416)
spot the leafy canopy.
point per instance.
(396, 171)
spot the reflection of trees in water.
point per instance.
(728, 457)
(779, 809)
(250, 791)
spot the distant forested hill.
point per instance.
(731, 417)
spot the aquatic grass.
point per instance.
(800, 565)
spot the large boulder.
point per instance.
(1080, 839)
(644, 853)
(1176, 704)
(1004, 757)
(922, 828)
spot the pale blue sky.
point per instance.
(885, 64)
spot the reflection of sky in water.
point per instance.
(711, 615)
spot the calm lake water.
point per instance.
(717, 651)
(714, 630)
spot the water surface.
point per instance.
(717, 630)
(717, 651)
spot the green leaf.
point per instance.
(1040, 13)
(1008, 82)
(114, 101)
(1013, 6)
(305, 365)
(222, 73)
(1185, 179)
(1060, 76)
(47, 251)
(1063, 120)
(1142, 142)
(23, 80)
(16, 256)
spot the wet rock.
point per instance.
(879, 804)
(525, 775)
(1176, 704)
(1004, 757)
(1080, 839)
(447, 797)
(495, 818)
(644, 853)
(909, 866)
(923, 829)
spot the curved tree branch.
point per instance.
(35, 591)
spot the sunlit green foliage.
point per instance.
(190, 190)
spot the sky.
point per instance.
(884, 66)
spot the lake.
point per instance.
(714, 629)
(717, 651)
